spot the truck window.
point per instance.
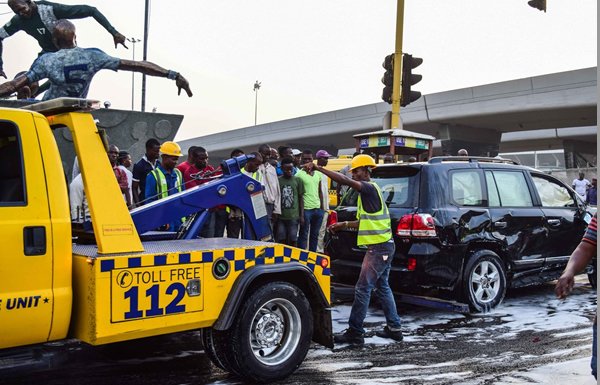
(12, 189)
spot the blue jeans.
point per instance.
(594, 362)
(374, 274)
(287, 231)
(312, 222)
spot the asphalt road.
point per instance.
(530, 330)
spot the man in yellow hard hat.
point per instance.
(374, 232)
(166, 179)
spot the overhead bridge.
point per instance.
(476, 118)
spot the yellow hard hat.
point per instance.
(170, 148)
(362, 160)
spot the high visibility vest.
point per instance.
(373, 228)
(162, 190)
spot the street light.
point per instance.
(133, 40)
(256, 88)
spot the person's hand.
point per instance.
(274, 217)
(337, 227)
(181, 82)
(119, 39)
(301, 220)
(564, 285)
(3, 74)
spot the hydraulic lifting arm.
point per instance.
(233, 189)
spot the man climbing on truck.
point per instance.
(71, 69)
(37, 19)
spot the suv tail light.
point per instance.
(332, 218)
(416, 225)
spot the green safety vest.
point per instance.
(373, 228)
(161, 182)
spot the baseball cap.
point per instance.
(322, 154)
(295, 152)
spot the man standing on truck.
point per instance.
(71, 69)
(374, 232)
(37, 19)
(165, 179)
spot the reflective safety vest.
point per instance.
(373, 228)
(162, 190)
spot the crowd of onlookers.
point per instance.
(296, 198)
(586, 190)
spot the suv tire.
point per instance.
(484, 281)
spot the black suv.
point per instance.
(467, 228)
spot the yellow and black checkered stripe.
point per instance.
(241, 258)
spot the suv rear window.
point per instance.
(399, 187)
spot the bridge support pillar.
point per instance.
(579, 154)
(477, 141)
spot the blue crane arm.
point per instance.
(233, 189)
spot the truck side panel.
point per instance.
(168, 288)
(26, 296)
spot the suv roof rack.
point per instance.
(471, 159)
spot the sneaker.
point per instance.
(350, 336)
(396, 335)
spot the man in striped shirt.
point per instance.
(581, 257)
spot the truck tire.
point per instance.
(215, 346)
(484, 281)
(271, 333)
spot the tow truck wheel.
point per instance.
(272, 332)
(215, 343)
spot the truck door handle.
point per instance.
(500, 224)
(34, 240)
(554, 222)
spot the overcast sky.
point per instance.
(314, 56)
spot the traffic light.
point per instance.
(388, 78)
(539, 4)
(409, 79)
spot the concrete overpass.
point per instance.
(475, 118)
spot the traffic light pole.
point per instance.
(396, 94)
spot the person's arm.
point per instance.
(580, 258)
(150, 193)
(277, 203)
(152, 69)
(345, 225)
(339, 178)
(10, 87)
(135, 185)
(62, 11)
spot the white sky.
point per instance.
(314, 56)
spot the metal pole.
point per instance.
(396, 93)
(145, 57)
(133, 41)
(256, 88)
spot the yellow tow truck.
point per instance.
(256, 302)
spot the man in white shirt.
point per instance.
(581, 185)
(322, 160)
(80, 211)
(270, 181)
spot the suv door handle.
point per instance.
(554, 222)
(500, 224)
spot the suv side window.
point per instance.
(552, 194)
(508, 189)
(466, 188)
(11, 173)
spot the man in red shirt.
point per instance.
(199, 173)
(183, 166)
(113, 154)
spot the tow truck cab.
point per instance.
(250, 296)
